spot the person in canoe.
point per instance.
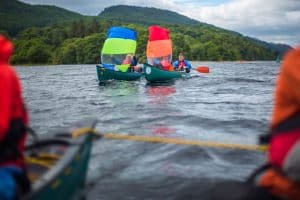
(13, 121)
(131, 62)
(181, 64)
(280, 177)
(166, 64)
(162, 63)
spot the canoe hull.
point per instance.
(153, 74)
(108, 74)
(66, 178)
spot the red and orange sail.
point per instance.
(159, 43)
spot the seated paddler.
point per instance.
(129, 64)
(166, 64)
(163, 63)
(182, 64)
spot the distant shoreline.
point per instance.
(204, 61)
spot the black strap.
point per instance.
(289, 124)
(9, 150)
(258, 171)
(23, 182)
(265, 138)
(262, 169)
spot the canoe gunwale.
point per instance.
(74, 147)
(46, 179)
(117, 75)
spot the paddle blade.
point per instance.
(203, 69)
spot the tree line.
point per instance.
(81, 41)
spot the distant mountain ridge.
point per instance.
(145, 15)
(149, 16)
(16, 16)
(278, 48)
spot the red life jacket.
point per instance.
(181, 63)
(283, 138)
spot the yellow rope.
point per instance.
(81, 131)
(184, 142)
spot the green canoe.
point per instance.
(108, 74)
(57, 166)
(153, 74)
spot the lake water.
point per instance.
(231, 104)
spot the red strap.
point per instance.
(280, 146)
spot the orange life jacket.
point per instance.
(287, 94)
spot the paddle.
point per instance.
(202, 69)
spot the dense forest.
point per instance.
(80, 40)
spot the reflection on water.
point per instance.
(118, 88)
(160, 94)
(161, 90)
(163, 130)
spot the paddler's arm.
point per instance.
(175, 64)
(188, 64)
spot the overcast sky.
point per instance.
(270, 20)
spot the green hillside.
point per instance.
(16, 16)
(81, 42)
(144, 16)
(278, 49)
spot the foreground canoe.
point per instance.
(108, 74)
(153, 74)
(57, 166)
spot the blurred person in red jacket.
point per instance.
(13, 122)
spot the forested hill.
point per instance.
(280, 49)
(48, 34)
(16, 16)
(144, 15)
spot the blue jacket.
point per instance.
(186, 62)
